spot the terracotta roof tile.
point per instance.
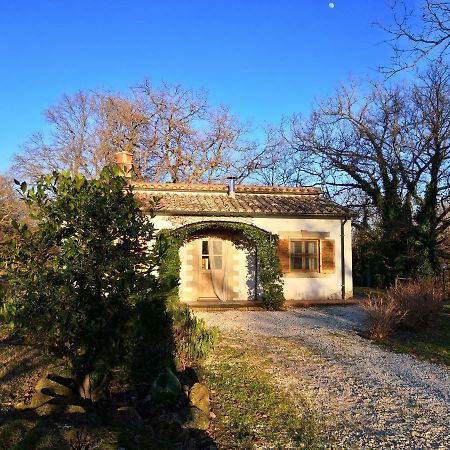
(198, 203)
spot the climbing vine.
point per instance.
(269, 269)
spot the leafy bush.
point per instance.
(410, 306)
(80, 279)
(192, 338)
(150, 346)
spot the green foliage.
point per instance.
(193, 339)
(82, 276)
(169, 243)
(150, 344)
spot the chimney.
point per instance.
(124, 160)
(231, 186)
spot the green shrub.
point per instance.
(150, 345)
(192, 338)
(80, 279)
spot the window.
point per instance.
(304, 255)
(205, 255)
(212, 255)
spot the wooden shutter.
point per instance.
(328, 263)
(283, 254)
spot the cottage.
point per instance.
(220, 264)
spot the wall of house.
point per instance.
(297, 286)
(300, 286)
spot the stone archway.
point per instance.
(267, 271)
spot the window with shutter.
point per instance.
(304, 255)
(307, 256)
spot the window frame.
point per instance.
(206, 257)
(304, 255)
(205, 265)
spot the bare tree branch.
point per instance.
(417, 36)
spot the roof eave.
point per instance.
(342, 215)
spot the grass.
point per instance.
(362, 291)
(431, 343)
(23, 434)
(251, 411)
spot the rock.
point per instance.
(74, 409)
(126, 416)
(195, 418)
(47, 389)
(199, 397)
(20, 406)
(212, 415)
(92, 386)
(49, 409)
(60, 406)
(64, 381)
(49, 386)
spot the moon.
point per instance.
(331, 5)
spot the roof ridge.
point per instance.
(216, 187)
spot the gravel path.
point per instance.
(370, 397)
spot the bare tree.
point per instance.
(386, 151)
(69, 143)
(174, 134)
(187, 139)
(276, 162)
(121, 125)
(11, 207)
(416, 36)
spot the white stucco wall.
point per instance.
(315, 286)
(296, 287)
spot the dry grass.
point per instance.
(408, 306)
(383, 315)
(419, 301)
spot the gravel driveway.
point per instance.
(369, 397)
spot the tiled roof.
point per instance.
(206, 199)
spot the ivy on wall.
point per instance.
(265, 244)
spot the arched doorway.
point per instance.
(180, 262)
(218, 266)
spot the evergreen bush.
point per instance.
(82, 281)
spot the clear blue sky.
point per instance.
(263, 58)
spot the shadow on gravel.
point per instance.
(298, 321)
